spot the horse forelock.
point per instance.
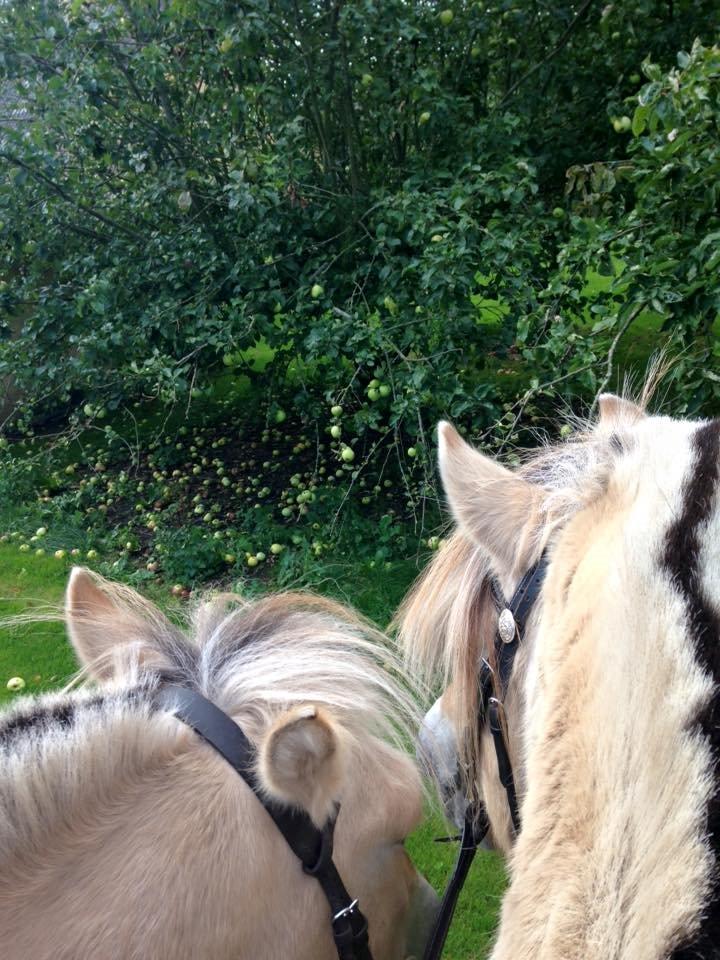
(252, 658)
(255, 659)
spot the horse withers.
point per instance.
(123, 834)
(611, 714)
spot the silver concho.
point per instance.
(506, 626)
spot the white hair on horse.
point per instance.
(103, 795)
(253, 659)
(614, 703)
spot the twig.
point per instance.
(632, 316)
(553, 53)
(527, 397)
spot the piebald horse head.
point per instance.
(613, 710)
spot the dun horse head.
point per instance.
(613, 709)
(124, 835)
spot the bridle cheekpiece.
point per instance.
(493, 685)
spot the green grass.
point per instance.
(41, 654)
(471, 934)
(37, 652)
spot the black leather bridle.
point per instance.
(493, 685)
(313, 847)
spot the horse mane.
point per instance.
(447, 621)
(252, 658)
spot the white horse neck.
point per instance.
(615, 860)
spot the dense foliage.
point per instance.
(396, 209)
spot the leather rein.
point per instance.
(493, 685)
(312, 847)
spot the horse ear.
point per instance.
(110, 625)
(302, 760)
(617, 411)
(494, 506)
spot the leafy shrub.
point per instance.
(363, 192)
(648, 226)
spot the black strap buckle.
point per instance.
(350, 932)
(487, 679)
(345, 912)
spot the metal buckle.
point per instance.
(346, 911)
(495, 715)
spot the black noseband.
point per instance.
(313, 847)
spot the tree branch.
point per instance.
(62, 192)
(631, 317)
(553, 53)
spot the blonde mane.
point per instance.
(447, 621)
(253, 659)
(611, 709)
